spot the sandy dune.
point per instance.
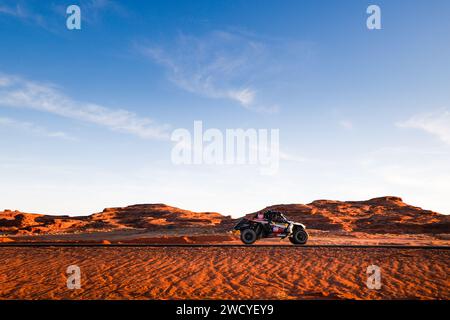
(225, 273)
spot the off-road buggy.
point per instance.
(271, 224)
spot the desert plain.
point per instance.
(129, 253)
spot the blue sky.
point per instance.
(86, 115)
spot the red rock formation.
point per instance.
(378, 215)
(145, 216)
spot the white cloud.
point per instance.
(244, 96)
(220, 65)
(20, 93)
(436, 123)
(33, 128)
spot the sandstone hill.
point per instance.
(143, 216)
(378, 215)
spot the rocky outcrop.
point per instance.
(378, 215)
(144, 216)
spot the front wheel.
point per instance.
(248, 236)
(300, 236)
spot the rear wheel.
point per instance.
(300, 236)
(248, 236)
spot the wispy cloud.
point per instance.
(48, 15)
(415, 172)
(33, 128)
(12, 11)
(219, 65)
(94, 11)
(436, 123)
(21, 93)
(21, 11)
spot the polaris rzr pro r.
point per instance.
(271, 224)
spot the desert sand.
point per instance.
(232, 272)
(223, 273)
